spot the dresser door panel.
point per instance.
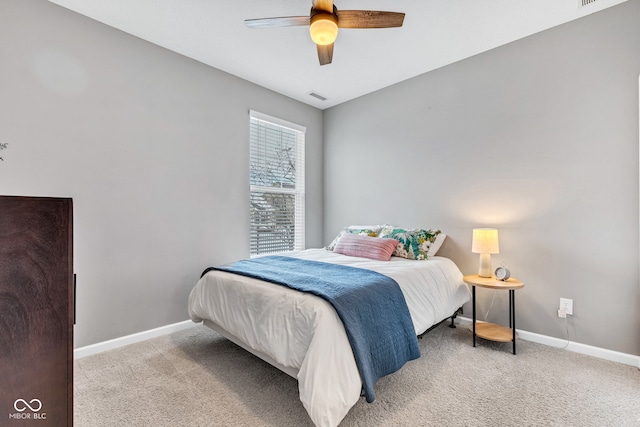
(36, 311)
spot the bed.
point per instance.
(302, 335)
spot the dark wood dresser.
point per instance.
(36, 311)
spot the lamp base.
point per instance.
(485, 269)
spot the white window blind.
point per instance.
(276, 185)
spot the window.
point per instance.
(276, 178)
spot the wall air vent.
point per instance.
(582, 3)
(317, 96)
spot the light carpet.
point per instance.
(195, 377)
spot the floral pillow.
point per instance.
(363, 230)
(414, 244)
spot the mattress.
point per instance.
(302, 335)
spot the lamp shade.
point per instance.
(323, 28)
(485, 241)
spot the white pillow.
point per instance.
(435, 246)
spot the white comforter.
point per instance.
(303, 333)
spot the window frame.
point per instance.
(299, 188)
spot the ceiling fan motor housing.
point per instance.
(323, 26)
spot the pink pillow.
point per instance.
(366, 247)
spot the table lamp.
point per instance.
(485, 243)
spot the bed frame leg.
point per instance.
(458, 311)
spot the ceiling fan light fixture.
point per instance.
(323, 28)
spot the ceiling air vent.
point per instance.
(322, 98)
(585, 2)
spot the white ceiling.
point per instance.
(435, 33)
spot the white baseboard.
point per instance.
(614, 356)
(602, 353)
(89, 350)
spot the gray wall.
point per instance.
(153, 148)
(538, 138)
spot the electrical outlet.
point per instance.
(566, 305)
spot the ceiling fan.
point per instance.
(324, 21)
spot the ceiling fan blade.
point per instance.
(326, 5)
(369, 19)
(283, 21)
(325, 53)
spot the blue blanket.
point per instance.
(371, 306)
